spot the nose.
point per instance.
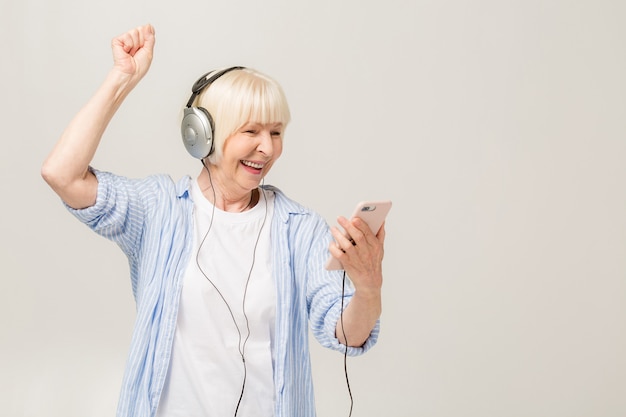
(266, 145)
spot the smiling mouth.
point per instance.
(251, 164)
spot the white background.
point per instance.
(498, 129)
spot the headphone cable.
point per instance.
(345, 353)
(241, 348)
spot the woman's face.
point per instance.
(249, 154)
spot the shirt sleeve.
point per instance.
(118, 213)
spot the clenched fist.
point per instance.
(133, 51)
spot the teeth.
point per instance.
(252, 164)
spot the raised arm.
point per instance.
(66, 168)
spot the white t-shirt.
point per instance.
(206, 371)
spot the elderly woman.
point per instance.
(227, 273)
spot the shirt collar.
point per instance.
(183, 186)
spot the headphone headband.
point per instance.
(203, 82)
(197, 125)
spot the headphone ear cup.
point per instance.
(197, 132)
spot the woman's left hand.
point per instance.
(360, 252)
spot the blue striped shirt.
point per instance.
(151, 221)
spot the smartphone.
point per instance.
(374, 214)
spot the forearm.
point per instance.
(67, 165)
(78, 143)
(359, 318)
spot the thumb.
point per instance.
(144, 53)
(148, 36)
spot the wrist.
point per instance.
(370, 297)
(119, 84)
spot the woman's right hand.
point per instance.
(133, 51)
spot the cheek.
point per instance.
(277, 152)
(233, 151)
(278, 149)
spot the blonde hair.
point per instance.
(242, 96)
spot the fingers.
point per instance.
(381, 234)
(358, 231)
(143, 37)
(342, 241)
(357, 242)
(133, 50)
(134, 39)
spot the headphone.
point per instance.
(197, 127)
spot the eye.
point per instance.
(276, 133)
